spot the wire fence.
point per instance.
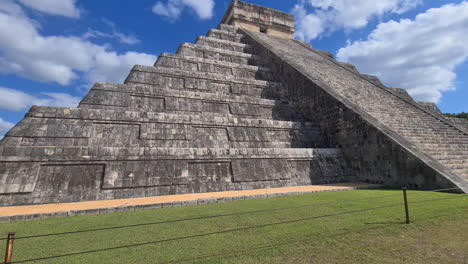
(221, 215)
(10, 240)
(274, 245)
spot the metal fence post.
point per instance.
(9, 248)
(405, 198)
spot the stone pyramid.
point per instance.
(245, 107)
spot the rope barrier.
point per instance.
(232, 230)
(271, 246)
(216, 216)
(202, 217)
(207, 234)
(266, 247)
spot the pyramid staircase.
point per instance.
(244, 107)
(429, 131)
(434, 136)
(208, 118)
(423, 136)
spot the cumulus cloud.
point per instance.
(4, 127)
(173, 8)
(329, 16)
(420, 55)
(15, 100)
(26, 52)
(65, 8)
(111, 67)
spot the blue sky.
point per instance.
(52, 51)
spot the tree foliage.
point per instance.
(459, 115)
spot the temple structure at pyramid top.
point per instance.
(244, 107)
(257, 18)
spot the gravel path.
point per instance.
(93, 205)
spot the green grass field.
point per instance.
(438, 233)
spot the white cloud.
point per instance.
(169, 10)
(65, 8)
(173, 8)
(331, 15)
(121, 37)
(111, 67)
(419, 55)
(15, 100)
(4, 127)
(24, 51)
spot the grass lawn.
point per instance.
(438, 234)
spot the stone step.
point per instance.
(228, 28)
(454, 161)
(211, 109)
(435, 140)
(444, 155)
(190, 63)
(418, 124)
(87, 128)
(111, 96)
(223, 44)
(426, 134)
(447, 152)
(399, 109)
(174, 72)
(463, 171)
(448, 146)
(165, 136)
(225, 35)
(208, 52)
(412, 113)
(454, 149)
(423, 132)
(119, 173)
(402, 124)
(417, 119)
(443, 158)
(457, 166)
(42, 117)
(434, 134)
(151, 90)
(422, 141)
(172, 78)
(443, 145)
(124, 153)
(459, 122)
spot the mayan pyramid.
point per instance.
(245, 107)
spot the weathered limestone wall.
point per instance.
(260, 19)
(375, 152)
(431, 107)
(67, 155)
(203, 120)
(460, 121)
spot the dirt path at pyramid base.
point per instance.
(96, 207)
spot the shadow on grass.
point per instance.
(242, 251)
(381, 225)
(385, 223)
